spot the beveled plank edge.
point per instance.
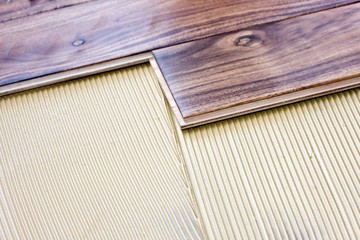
(96, 69)
(265, 104)
(167, 92)
(34, 10)
(74, 74)
(184, 123)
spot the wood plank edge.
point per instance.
(167, 92)
(75, 73)
(96, 69)
(34, 10)
(265, 104)
(184, 123)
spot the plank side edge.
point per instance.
(189, 122)
(167, 92)
(273, 102)
(74, 74)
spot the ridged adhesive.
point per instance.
(93, 158)
(288, 173)
(100, 158)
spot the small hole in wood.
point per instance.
(78, 42)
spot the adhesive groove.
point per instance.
(287, 173)
(103, 157)
(93, 158)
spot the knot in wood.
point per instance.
(248, 40)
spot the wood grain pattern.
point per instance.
(103, 30)
(263, 62)
(268, 103)
(12, 9)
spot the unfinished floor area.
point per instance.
(103, 157)
(93, 158)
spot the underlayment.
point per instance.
(93, 158)
(102, 158)
(287, 173)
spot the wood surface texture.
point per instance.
(262, 62)
(12, 9)
(99, 31)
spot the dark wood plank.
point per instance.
(12, 9)
(263, 62)
(103, 30)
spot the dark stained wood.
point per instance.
(263, 62)
(103, 30)
(12, 9)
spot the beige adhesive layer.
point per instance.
(288, 173)
(93, 158)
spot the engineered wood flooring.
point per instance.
(218, 76)
(109, 142)
(12, 9)
(98, 31)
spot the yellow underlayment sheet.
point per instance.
(102, 158)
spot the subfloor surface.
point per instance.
(93, 158)
(102, 157)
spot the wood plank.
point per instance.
(273, 102)
(209, 76)
(103, 30)
(12, 9)
(75, 73)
